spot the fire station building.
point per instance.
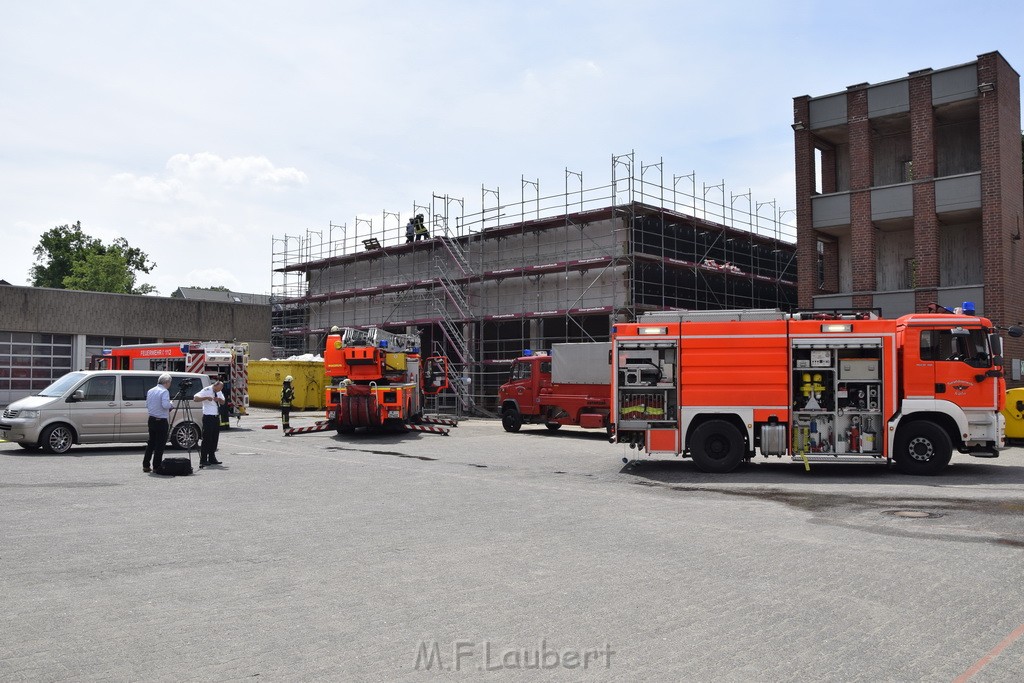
(46, 333)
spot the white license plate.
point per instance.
(394, 413)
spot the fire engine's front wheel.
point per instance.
(511, 420)
(922, 448)
(717, 446)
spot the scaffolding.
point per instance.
(542, 269)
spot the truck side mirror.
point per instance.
(1015, 331)
(77, 396)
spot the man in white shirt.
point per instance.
(212, 399)
(158, 405)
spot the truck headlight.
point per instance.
(28, 414)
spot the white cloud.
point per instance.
(206, 168)
(193, 177)
(147, 188)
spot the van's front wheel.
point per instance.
(57, 438)
(185, 435)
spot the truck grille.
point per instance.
(10, 414)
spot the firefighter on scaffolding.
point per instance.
(421, 228)
(287, 396)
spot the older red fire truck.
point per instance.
(569, 386)
(718, 386)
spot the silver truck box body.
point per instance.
(583, 363)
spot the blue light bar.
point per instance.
(527, 352)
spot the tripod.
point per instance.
(188, 432)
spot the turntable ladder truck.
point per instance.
(377, 383)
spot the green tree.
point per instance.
(67, 258)
(107, 272)
(57, 252)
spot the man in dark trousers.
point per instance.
(421, 228)
(212, 399)
(225, 408)
(158, 405)
(287, 396)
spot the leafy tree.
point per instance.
(57, 251)
(107, 272)
(67, 258)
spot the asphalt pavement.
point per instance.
(484, 554)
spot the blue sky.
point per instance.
(200, 130)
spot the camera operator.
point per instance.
(212, 398)
(158, 405)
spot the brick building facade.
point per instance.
(910, 192)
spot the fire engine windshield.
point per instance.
(958, 344)
(520, 371)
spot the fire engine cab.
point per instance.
(719, 386)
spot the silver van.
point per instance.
(101, 406)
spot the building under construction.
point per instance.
(482, 287)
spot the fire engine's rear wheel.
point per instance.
(717, 446)
(511, 420)
(922, 448)
(553, 426)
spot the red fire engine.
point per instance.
(229, 361)
(378, 380)
(718, 386)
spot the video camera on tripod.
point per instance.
(183, 387)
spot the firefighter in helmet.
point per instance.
(287, 396)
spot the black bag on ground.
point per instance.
(176, 467)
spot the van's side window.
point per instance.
(175, 387)
(99, 388)
(134, 388)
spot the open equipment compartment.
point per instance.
(837, 396)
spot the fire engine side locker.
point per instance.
(841, 395)
(646, 392)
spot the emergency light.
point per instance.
(527, 352)
(652, 330)
(837, 327)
